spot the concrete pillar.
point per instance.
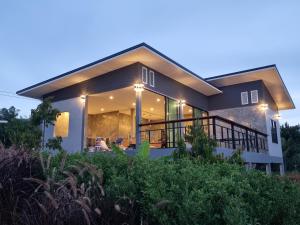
(181, 104)
(281, 168)
(132, 124)
(84, 100)
(138, 111)
(268, 169)
(249, 166)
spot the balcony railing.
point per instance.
(226, 133)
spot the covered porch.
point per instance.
(129, 116)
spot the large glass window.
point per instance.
(61, 128)
(153, 111)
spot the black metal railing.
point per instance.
(226, 133)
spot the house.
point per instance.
(141, 94)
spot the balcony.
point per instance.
(226, 133)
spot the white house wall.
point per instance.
(274, 148)
(72, 143)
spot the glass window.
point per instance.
(244, 98)
(145, 75)
(61, 128)
(254, 96)
(274, 131)
(151, 78)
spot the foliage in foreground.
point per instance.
(290, 136)
(192, 192)
(106, 189)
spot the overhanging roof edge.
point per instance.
(20, 92)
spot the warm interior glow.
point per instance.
(102, 109)
(61, 128)
(151, 109)
(111, 97)
(158, 100)
(133, 103)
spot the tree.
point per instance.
(44, 115)
(202, 145)
(7, 115)
(290, 136)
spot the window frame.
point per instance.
(252, 97)
(68, 126)
(145, 75)
(151, 78)
(242, 95)
(274, 133)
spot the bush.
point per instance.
(188, 191)
(110, 189)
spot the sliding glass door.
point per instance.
(172, 113)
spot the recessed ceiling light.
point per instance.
(111, 97)
(102, 109)
(151, 109)
(158, 100)
(133, 103)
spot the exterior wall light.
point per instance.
(264, 107)
(277, 116)
(139, 87)
(181, 102)
(83, 98)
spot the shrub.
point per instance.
(189, 191)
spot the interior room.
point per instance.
(111, 117)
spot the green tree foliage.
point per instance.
(27, 133)
(6, 115)
(44, 115)
(202, 145)
(181, 151)
(290, 136)
(188, 191)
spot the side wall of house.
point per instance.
(74, 106)
(228, 105)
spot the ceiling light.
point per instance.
(190, 110)
(102, 109)
(151, 109)
(111, 97)
(158, 100)
(133, 103)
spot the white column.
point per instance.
(249, 166)
(268, 169)
(181, 104)
(138, 111)
(84, 100)
(281, 168)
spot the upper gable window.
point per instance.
(145, 75)
(254, 96)
(151, 78)
(244, 98)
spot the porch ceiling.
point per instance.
(142, 53)
(268, 74)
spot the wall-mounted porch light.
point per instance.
(138, 87)
(83, 98)
(277, 116)
(181, 102)
(263, 107)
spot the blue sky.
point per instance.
(41, 39)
